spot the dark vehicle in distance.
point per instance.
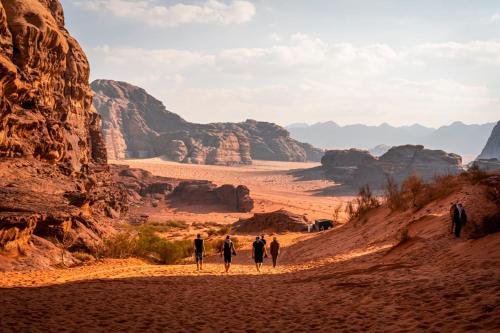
(323, 224)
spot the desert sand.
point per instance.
(356, 277)
(271, 186)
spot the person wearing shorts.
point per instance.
(199, 252)
(227, 251)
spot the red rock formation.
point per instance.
(137, 125)
(277, 221)
(45, 99)
(205, 192)
(53, 179)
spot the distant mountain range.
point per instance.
(459, 138)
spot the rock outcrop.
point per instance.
(205, 192)
(277, 221)
(490, 164)
(492, 147)
(54, 182)
(354, 168)
(45, 99)
(136, 125)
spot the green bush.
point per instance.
(147, 244)
(121, 245)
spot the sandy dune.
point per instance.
(354, 278)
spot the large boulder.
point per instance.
(205, 192)
(277, 221)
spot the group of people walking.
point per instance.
(228, 251)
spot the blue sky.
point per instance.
(285, 61)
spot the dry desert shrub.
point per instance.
(223, 230)
(362, 204)
(474, 174)
(83, 256)
(417, 194)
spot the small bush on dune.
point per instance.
(364, 202)
(412, 188)
(474, 174)
(417, 194)
(404, 236)
(393, 195)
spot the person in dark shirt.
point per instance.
(275, 250)
(459, 219)
(263, 240)
(227, 251)
(258, 252)
(199, 252)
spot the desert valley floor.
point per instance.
(356, 277)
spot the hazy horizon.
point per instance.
(295, 62)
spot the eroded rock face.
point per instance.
(54, 182)
(39, 199)
(136, 125)
(205, 192)
(277, 221)
(492, 148)
(357, 167)
(45, 99)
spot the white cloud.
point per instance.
(305, 78)
(474, 51)
(151, 13)
(495, 17)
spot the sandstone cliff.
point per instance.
(492, 148)
(45, 99)
(53, 178)
(136, 125)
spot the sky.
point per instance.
(286, 61)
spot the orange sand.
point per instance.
(354, 278)
(270, 186)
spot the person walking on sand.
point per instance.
(459, 218)
(452, 212)
(274, 248)
(263, 240)
(199, 252)
(227, 251)
(258, 252)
